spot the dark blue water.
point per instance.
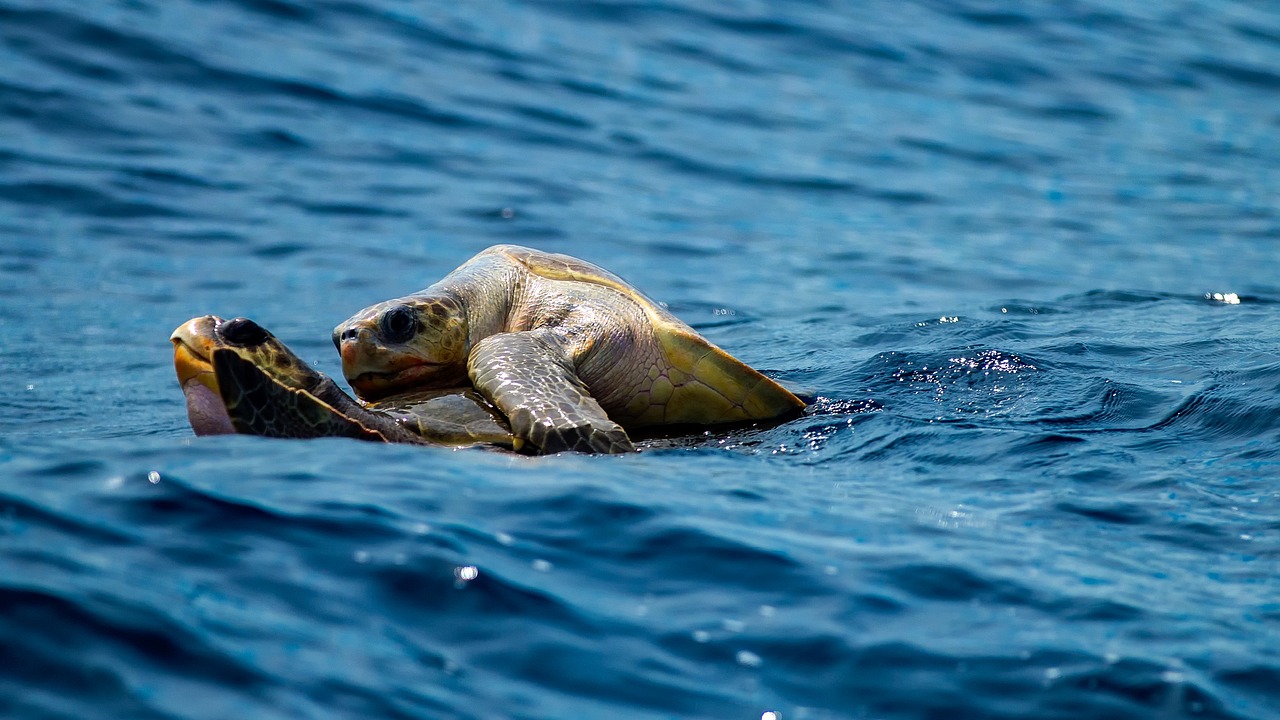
(1024, 253)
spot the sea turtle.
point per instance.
(237, 377)
(569, 352)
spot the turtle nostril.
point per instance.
(348, 334)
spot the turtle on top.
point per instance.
(568, 351)
(570, 355)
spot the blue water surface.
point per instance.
(1022, 255)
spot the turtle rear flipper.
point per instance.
(261, 405)
(533, 382)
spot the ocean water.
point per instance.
(1023, 256)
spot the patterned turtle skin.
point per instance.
(238, 377)
(570, 353)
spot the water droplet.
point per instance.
(421, 529)
(542, 565)
(504, 539)
(768, 611)
(508, 213)
(466, 573)
(153, 477)
(701, 636)
(361, 556)
(771, 715)
(748, 658)
(733, 626)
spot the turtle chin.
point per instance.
(205, 409)
(193, 342)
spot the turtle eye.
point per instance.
(399, 324)
(242, 332)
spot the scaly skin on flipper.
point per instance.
(260, 387)
(640, 364)
(533, 382)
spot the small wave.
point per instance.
(83, 199)
(1223, 413)
(57, 112)
(279, 9)
(130, 643)
(1257, 77)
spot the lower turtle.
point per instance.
(572, 355)
(238, 377)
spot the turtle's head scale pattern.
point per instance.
(195, 341)
(417, 341)
(195, 345)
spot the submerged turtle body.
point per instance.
(237, 377)
(569, 352)
(452, 416)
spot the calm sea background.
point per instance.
(1024, 256)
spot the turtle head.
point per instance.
(419, 341)
(197, 341)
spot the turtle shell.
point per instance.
(701, 383)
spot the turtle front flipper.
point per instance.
(261, 405)
(532, 380)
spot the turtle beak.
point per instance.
(364, 360)
(351, 344)
(193, 344)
